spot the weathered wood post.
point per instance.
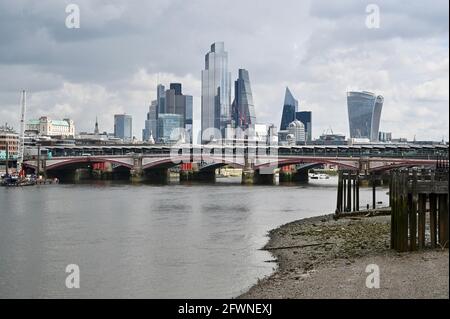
(443, 220)
(433, 220)
(421, 220)
(349, 191)
(409, 192)
(373, 192)
(357, 191)
(413, 198)
(7, 159)
(339, 193)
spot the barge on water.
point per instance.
(8, 180)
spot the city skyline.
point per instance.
(407, 65)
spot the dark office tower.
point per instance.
(364, 113)
(216, 91)
(161, 99)
(305, 117)
(180, 104)
(243, 109)
(289, 109)
(176, 87)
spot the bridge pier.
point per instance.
(191, 175)
(290, 174)
(190, 172)
(256, 177)
(156, 175)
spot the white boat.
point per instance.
(318, 176)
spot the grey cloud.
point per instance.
(319, 48)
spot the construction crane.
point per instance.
(22, 132)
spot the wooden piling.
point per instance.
(413, 198)
(349, 192)
(443, 220)
(421, 220)
(357, 191)
(409, 193)
(433, 220)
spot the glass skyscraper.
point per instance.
(161, 99)
(151, 122)
(243, 109)
(168, 127)
(123, 127)
(364, 114)
(171, 102)
(216, 90)
(290, 107)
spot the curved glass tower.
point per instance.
(364, 114)
(216, 90)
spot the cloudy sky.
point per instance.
(320, 49)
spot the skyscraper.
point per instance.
(290, 107)
(151, 123)
(364, 113)
(306, 118)
(243, 109)
(216, 90)
(123, 127)
(161, 99)
(178, 103)
(168, 127)
(168, 102)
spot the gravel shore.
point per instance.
(325, 258)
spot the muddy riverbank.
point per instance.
(325, 258)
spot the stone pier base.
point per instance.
(254, 177)
(160, 175)
(193, 175)
(294, 176)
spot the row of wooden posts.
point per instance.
(419, 209)
(419, 202)
(348, 192)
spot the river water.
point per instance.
(148, 241)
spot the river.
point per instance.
(148, 241)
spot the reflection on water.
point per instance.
(148, 241)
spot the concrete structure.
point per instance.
(364, 114)
(216, 93)
(9, 143)
(385, 137)
(47, 127)
(258, 163)
(297, 130)
(330, 139)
